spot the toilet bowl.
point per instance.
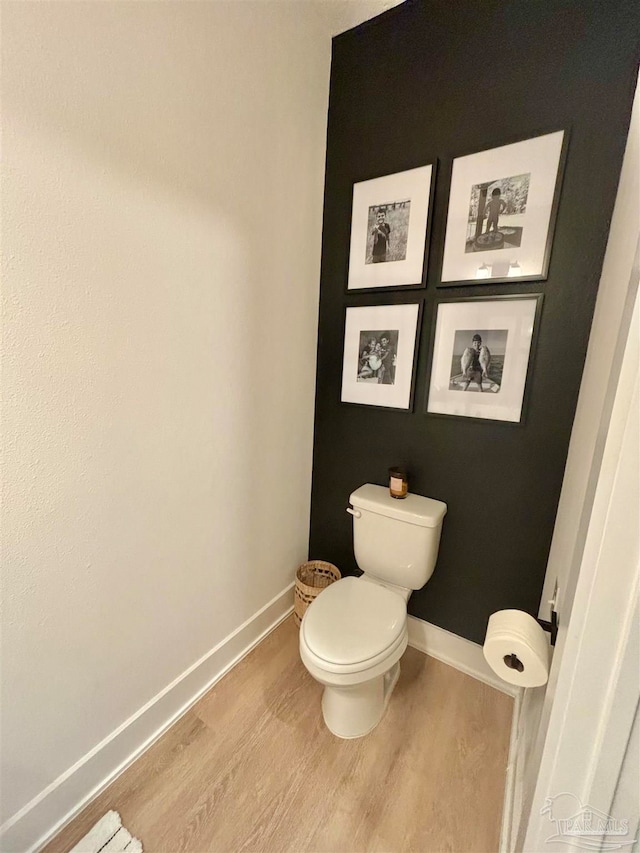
(351, 641)
(355, 632)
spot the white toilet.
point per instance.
(353, 635)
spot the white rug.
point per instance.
(108, 836)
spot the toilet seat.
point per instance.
(353, 626)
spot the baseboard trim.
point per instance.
(511, 779)
(456, 651)
(38, 821)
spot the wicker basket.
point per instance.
(311, 579)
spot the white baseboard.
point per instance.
(512, 780)
(36, 823)
(456, 651)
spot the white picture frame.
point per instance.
(502, 209)
(483, 379)
(396, 259)
(380, 351)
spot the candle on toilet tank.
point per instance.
(398, 483)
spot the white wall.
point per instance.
(609, 333)
(341, 15)
(162, 220)
(597, 690)
(613, 310)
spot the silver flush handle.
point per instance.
(354, 512)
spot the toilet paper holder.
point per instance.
(551, 627)
(513, 662)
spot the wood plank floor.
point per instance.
(251, 767)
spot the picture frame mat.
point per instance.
(519, 315)
(542, 156)
(386, 189)
(405, 317)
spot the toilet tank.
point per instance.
(394, 540)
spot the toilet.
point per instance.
(355, 632)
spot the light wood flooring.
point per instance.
(251, 767)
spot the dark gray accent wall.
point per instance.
(432, 80)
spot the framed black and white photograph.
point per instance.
(380, 348)
(481, 356)
(502, 211)
(389, 226)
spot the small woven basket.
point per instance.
(311, 579)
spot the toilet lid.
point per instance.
(353, 620)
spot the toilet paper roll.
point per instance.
(516, 648)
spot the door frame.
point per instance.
(597, 689)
